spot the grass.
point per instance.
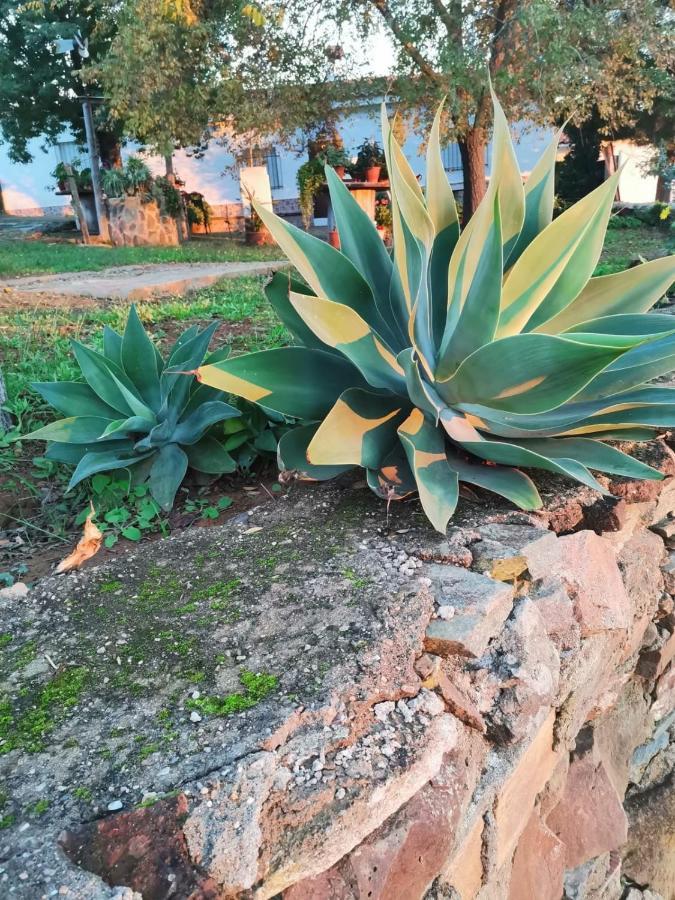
(21, 257)
(624, 245)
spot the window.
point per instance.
(268, 157)
(68, 151)
(452, 159)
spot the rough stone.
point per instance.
(481, 607)
(586, 563)
(589, 820)
(538, 864)
(649, 856)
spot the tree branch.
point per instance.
(412, 51)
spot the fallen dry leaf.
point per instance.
(88, 545)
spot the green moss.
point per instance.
(7, 821)
(109, 587)
(194, 677)
(5, 639)
(219, 590)
(148, 749)
(26, 729)
(40, 807)
(83, 794)
(257, 686)
(357, 582)
(186, 608)
(26, 654)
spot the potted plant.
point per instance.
(337, 158)
(82, 177)
(383, 217)
(256, 233)
(310, 179)
(370, 161)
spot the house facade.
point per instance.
(29, 189)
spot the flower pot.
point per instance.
(340, 171)
(372, 173)
(334, 238)
(257, 238)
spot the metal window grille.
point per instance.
(452, 159)
(268, 157)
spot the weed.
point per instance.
(257, 686)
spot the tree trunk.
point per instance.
(182, 223)
(472, 150)
(110, 150)
(663, 190)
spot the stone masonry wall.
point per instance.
(489, 715)
(134, 223)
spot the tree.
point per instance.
(547, 59)
(179, 73)
(38, 85)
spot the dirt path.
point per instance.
(137, 282)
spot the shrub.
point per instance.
(464, 355)
(135, 411)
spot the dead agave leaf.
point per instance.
(88, 545)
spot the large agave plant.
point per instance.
(133, 411)
(463, 355)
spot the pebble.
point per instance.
(446, 612)
(195, 717)
(14, 592)
(115, 805)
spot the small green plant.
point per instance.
(256, 686)
(334, 156)
(81, 175)
(137, 175)
(207, 509)
(139, 413)
(123, 510)
(462, 356)
(113, 182)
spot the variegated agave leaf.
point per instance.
(463, 355)
(133, 411)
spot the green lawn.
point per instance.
(624, 245)
(27, 257)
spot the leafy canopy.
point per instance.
(465, 355)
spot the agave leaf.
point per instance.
(635, 367)
(436, 482)
(324, 268)
(190, 429)
(73, 453)
(342, 328)
(394, 479)
(104, 377)
(294, 381)
(512, 454)
(73, 430)
(635, 290)
(553, 270)
(539, 200)
(526, 373)
(358, 431)
(209, 455)
(167, 473)
(400, 248)
(479, 314)
(593, 455)
(139, 360)
(421, 393)
(513, 484)
(292, 456)
(103, 461)
(73, 398)
(506, 179)
(443, 213)
(176, 387)
(124, 427)
(361, 244)
(277, 292)
(112, 345)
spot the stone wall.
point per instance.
(487, 715)
(136, 223)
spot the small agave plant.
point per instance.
(463, 355)
(134, 411)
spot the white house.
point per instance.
(29, 189)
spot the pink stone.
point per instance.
(590, 819)
(538, 864)
(586, 563)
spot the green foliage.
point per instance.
(257, 686)
(310, 179)
(138, 412)
(82, 176)
(113, 182)
(463, 355)
(369, 154)
(199, 211)
(122, 510)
